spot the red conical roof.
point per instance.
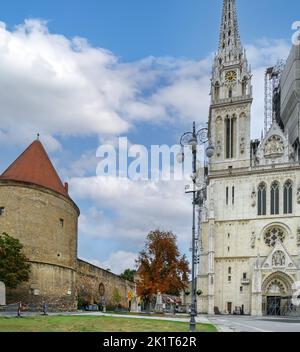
(34, 166)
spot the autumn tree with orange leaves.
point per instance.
(161, 267)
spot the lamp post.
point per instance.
(194, 139)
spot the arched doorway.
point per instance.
(277, 294)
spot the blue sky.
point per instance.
(143, 72)
(134, 29)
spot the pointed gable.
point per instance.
(275, 147)
(279, 258)
(34, 166)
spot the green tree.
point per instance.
(128, 275)
(116, 298)
(14, 266)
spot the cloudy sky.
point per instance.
(82, 73)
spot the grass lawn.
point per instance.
(94, 324)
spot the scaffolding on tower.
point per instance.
(272, 92)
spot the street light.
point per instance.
(193, 139)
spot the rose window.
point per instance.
(273, 235)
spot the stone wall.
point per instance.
(44, 221)
(89, 279)
(46, 224)
(50, 284)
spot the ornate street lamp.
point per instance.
(194, 139)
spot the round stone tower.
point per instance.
(35, 207)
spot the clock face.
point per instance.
(230, 76)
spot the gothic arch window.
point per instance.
(273, 234)
(262, 199)
(288, 197)
(230, 91)
(101, 289)
(230, 136)
(275, 198)
(217, 91)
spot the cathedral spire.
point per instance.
(231, 96)
(229, 34)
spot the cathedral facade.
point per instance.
(250, 238)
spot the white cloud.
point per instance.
(61, 87)
(137, 207)
(117, 262)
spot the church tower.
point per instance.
(231, 97)
(250, 231)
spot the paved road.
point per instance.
(254, 324)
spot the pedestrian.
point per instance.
(19, 310)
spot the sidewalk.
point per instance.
(200, 319)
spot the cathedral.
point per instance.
(250, 239)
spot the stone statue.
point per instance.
(278, 259)
(257, 262)
(298, 236)
(204, 214)
(242, 145)
(219, 148)
(298, 195)
(253, 198)
(253, 239)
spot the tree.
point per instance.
(14, 266)
(161, 267)
(116, 298)
(128, 275)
